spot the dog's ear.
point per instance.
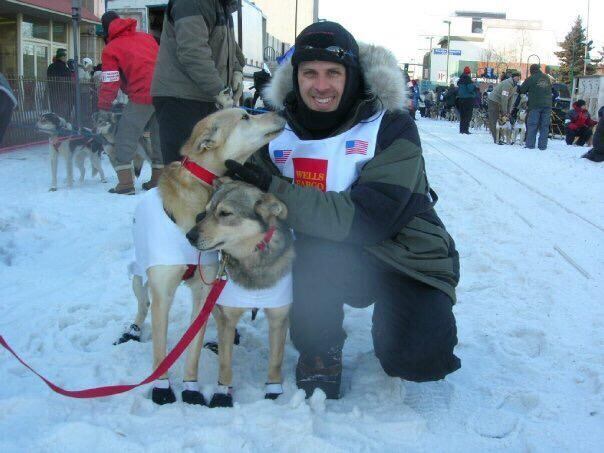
(206, 140)
(269, 207)
(219, 182)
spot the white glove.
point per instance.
(224, 99)
(237, 86)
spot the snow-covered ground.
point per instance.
(529, 226)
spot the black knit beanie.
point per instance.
(580, 103)
(327, 41)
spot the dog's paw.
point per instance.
(133, 333)
(193, 397)
(104, 181)
(221, 400)
(52, 189)
(163, 396)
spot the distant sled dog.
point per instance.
(71, 146)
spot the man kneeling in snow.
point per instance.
(350, 169)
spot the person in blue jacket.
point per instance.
(466, 92)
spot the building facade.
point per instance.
(490, 44)
(31, 31)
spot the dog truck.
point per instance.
(590, 88)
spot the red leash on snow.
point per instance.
(163, 367)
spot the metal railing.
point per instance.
(38, 96)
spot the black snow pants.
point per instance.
(414, 330)
(176, 118)
(465, 105)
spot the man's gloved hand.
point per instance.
(237, 86)
(250, 173)
(224, 99)
(514, 112)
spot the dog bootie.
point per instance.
(320, 372)
(272, 391)
(223, 397)
(191, 394)
(162, 393)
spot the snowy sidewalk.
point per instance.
(529, 229)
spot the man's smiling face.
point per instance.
(321, 84)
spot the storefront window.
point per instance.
(59, 32)
(35, 28)
(8, 44)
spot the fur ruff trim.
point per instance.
(383, 79)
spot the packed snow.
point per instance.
(529, 226)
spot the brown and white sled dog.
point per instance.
(71, 146)
(105, 124)
(248, 227)
(503, 130)
(227, 134)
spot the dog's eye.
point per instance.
(224, 214)
(245, 117)
(200, 217)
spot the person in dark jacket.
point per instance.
(350, 169)
(59, 85)
(449, 99)
(8, 102)
(198, 70)
(579, 124)
(466, 93)
(128, 60)
(538, 87)
(596, 154)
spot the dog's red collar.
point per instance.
(263, 244)
(198, 171)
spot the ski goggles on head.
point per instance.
(331, 53)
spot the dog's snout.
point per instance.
(193, 235)
(200, 217)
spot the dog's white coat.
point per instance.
(158, 240)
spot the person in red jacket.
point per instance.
(128, 61)
(579, 124)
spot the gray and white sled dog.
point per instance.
(248, 227)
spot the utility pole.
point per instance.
(430, 59)
(448, 22)
(75, 20)
(586, 42)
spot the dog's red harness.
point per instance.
(198, 171)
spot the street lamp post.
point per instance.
(430, 59)
(448, 22)
(587, 44)
(75, 18)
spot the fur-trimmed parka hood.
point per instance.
(384, 82)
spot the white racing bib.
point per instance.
(331, 164)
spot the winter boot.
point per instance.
(320, 372)
(155, 174)
(125, 185)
